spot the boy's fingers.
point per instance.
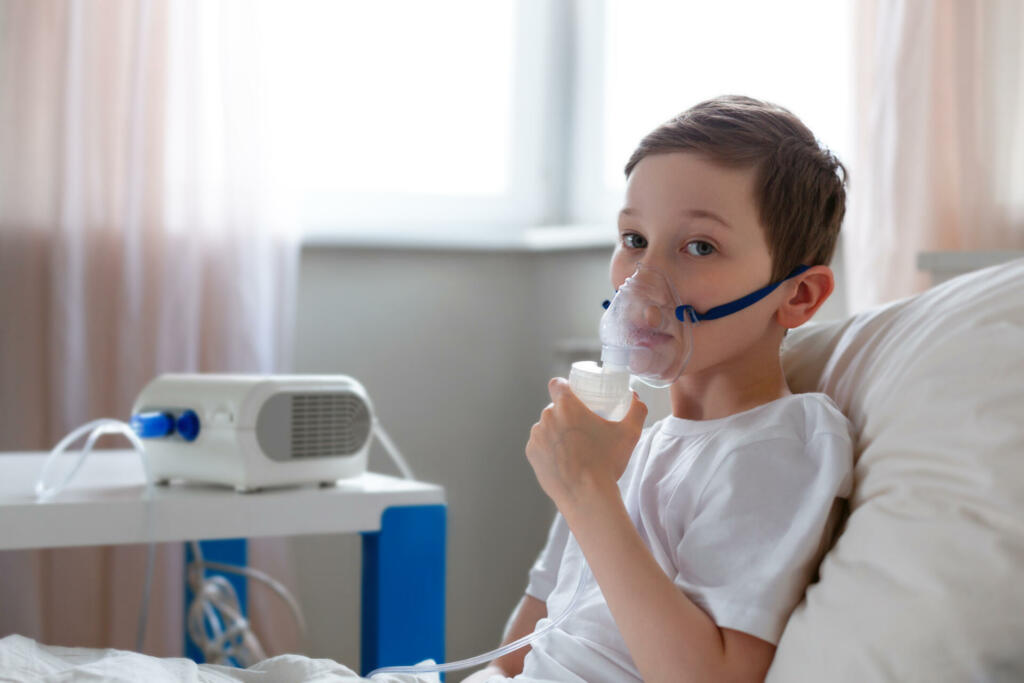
(564, 398)
(557, 388)
(637, 412)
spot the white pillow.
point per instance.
(926, 580)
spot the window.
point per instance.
(407, 118)
(659, 58)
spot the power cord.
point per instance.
(214, 619)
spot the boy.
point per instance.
(703, 531)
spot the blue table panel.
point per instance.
(403, 608)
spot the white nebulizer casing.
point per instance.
(258, 431)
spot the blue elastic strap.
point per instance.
(684, 311)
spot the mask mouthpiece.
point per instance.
(640, 332)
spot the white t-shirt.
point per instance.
(738, 511)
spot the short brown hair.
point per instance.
(799, 187)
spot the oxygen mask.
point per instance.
(642, 332)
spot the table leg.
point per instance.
(232, 551)
(403, 609)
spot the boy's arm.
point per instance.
(669, 637)
(578, 458)
(528, 612)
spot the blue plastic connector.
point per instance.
(188, 425)
(153, 425)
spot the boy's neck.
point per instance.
(743, 383)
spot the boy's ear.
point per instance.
(806, 294)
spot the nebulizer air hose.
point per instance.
(493, 654)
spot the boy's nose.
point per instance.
(653, 317)
(654, 260)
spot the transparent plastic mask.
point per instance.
(640, 329)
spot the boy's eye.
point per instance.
(700, 248)
(632, 240)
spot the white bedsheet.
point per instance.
(23, 659)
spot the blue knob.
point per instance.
(188, 425)
(153, 425)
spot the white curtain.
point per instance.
(143, 229)
(940, 138)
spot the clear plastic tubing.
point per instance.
(493, 654)
(605, 390)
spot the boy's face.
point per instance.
(697, 223)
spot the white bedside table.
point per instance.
(402, 523)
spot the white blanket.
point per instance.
(23, 659)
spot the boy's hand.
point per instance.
(575, 453)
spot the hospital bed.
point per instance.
(924, 581)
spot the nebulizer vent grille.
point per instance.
(328, 424)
